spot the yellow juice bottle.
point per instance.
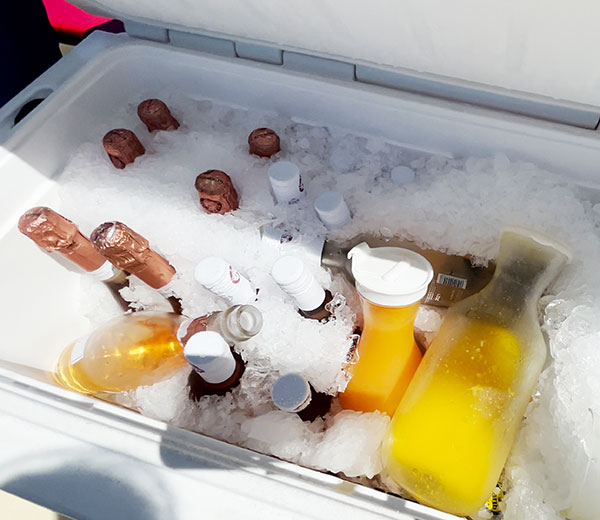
(452, 432)
(391, 282)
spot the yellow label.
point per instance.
(493, 503)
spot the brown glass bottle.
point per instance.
(236, 324)
(294, 278)
(292, 393)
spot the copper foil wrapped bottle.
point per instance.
(216, 192)
(132, 253)
(156, 115)
(263, 142)
(122, 146)
(56, 234)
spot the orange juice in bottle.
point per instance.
(391, 282)
(452, 432)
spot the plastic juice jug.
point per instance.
(391, 282)
(452, 432)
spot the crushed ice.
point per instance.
(454, 205)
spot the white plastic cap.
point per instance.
(105, 272)
(310, 248)
(286, 181)
(211, 356)
(390, 276)
(295, 279)
(401, 175)
(218, 276)
(332, 209)
(291, 393)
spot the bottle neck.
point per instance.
(524, 271)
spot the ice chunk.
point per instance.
(351, 444)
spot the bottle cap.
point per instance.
(295, 279)
(390, 276)
(310, 248)
(291, 393)
(211, 356)
(332, 209)
(402, 175)
(218, 276)
(286, 181)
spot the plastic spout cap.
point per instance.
(291, 393)
(402, 175)
(390, 276)
(295, 279)
(210, 355)
(332, 209)
(286, 182)
(219, 277)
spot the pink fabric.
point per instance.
(69, 19)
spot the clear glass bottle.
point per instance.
(129, 351)
(452, 432)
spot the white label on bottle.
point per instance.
(78, 349)
(451, 281)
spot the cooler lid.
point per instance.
(542, 48)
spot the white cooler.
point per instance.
(93, 460)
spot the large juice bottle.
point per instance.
(452, 432)
(391, 282)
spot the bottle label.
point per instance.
(234, 275)
(451, 281)
(493, 503)
(78, 350)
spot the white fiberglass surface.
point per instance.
(382, 130)
(520, 45)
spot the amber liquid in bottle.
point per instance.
(129, 351)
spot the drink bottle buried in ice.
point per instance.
(332, 209)
(132, 253)
(129, 351)
(219, 368)
(263, 142)
(235, 325)
(54, 233)
(222, 279)
(216, 192)
(451, 434)
(286, 182)
(292, 393)
(122, 147)
(294, 278)
(155, 114)
(455, 277)
(391, 282)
